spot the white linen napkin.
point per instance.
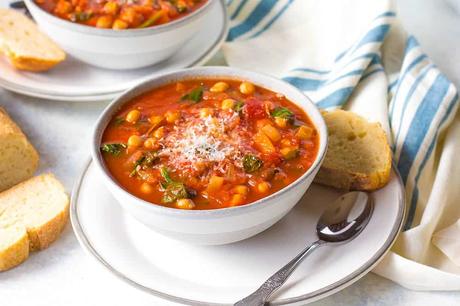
(354, 54)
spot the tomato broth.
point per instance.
(120, 14)
(208, 144)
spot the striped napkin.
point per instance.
(354, 54)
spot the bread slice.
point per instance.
(358, 156)
(18, 158)
(32, 215)
(25, 45)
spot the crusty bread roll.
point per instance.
(26, 47)
(18, 158)
(32, 215)
(358, 155)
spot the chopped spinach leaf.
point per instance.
(181, 7)
(119, 121)
(113, 148)
(81, 16)
(238, 107)
(138, 162)
(251, 163)
(173, 190)
(194, 96)
(283, 112)
(165, 174)
(146, 160)
(152, 20)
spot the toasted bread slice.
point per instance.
(18, 158)
(25, 45)
(32, 215)
(358, 156)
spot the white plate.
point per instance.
(203, 275)
(76, 81)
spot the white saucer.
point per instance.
(76, 81)
(201, 275)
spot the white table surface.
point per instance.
(65, 275)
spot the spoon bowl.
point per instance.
(341, 222)
(345, 218)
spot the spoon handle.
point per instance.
(261, 295)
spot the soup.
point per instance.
(208, 144)
(120, 14)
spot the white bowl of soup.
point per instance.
(209, 155)
(120, 34)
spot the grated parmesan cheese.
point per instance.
(202, 140)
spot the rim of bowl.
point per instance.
(126, 32)
(259, 79)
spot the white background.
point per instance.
(65, 275)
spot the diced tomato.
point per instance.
(274, 159)
(254, 109)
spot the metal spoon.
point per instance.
(341, 222)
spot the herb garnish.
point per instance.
(238, 107)
(152, 20)
(194, 96)
(146, 160)
(118, 121)
(113, 148)
(251, 163)
(173, 190)
(180, 6)
(283, 112)
(81, 16)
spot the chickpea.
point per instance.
(150, 143)
(228, 104)
(159, 133)
(133, 116)
(155, 120)
(247, 88)
(237, 199)
(104, 22)
(241, 189)
(263, 187)
(205, 112)
(129, 15)
(134, 141)
(63, 7)
(146, 188)
(119, 25)
(219, 87)
(172, 117)
(185, 204)
(111, 8)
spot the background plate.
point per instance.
(223, 274)
(74, 80)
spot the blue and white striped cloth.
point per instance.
(353, 54)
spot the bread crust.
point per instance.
(15, 254)
(35, 237)
(331, 174)
(8, 128)
(41, 237)
(26, 47)
(32, 64)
